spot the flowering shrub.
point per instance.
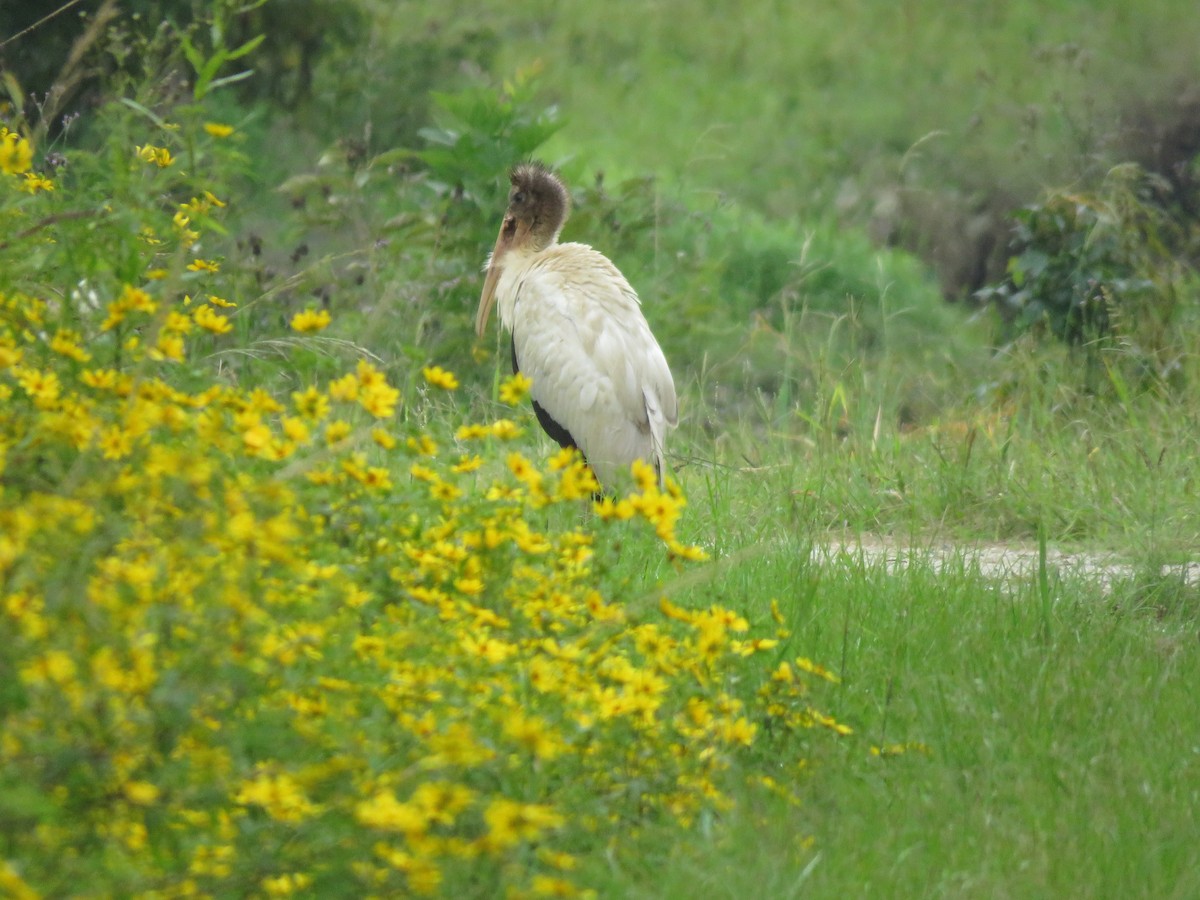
(264, 639)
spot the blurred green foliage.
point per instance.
(480, 133)
(391, 126)
(1103, 268)
(396, 240)
(79, 50)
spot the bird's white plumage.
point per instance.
(579, 334)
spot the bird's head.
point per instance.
(538, 206)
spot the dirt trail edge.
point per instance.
(1003, 562)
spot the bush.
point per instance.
(1102, 269)
(79, 50)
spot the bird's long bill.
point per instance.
(504, 240)
(488, 297)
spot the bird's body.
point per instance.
(600, 380)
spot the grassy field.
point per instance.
(289, 610)
(822, 103)
(1054, 758)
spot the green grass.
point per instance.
(787, 105)
(1056, 713)
(1060, 756)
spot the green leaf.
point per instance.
(207, 72)
(231, 79)
(152, 116)
(192, 54)
(249, 47)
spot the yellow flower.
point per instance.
(564, 862)
(467, 464)
(776, 614)
(203, 265)
(379, 399)
(210, 320)
(115, 442)
(523, 470)
(563, 458)
(295, 429)
(578, 482)
(344, 388)
(10, 353)
(169, 346)
(16, 153)
(262, 401)
(143, 793)
(311, 404)
(368, 375)
(255, 435)
(644, 475)
(439, 377)
(177, 323)
(131, 300)
(311, 320)
(385, 812)
(505, 429)
(55, 667)
(807, 665)
(831, 723)
(279, 795)
(423, 444)
(377, 478)
(551, 886)
(608, 509)
(441, 801)
(510, 822)
(43, 387)
(515, 388)
(67, 343)
(687, 551)
(336, 431)
(757, 645)
(286, 885)
(488, 648)
(218, 130)
(534, 735)
(739, 731)
(107, 380)
(472, 432)
(199, 205)
(12, 885)
(159, 156)
(34, 183)
(423, 473)
(471, 586)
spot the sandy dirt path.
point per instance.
(1003, 562)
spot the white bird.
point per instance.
(600, 380)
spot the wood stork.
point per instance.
(600, 380)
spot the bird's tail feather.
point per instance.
(658, 430)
